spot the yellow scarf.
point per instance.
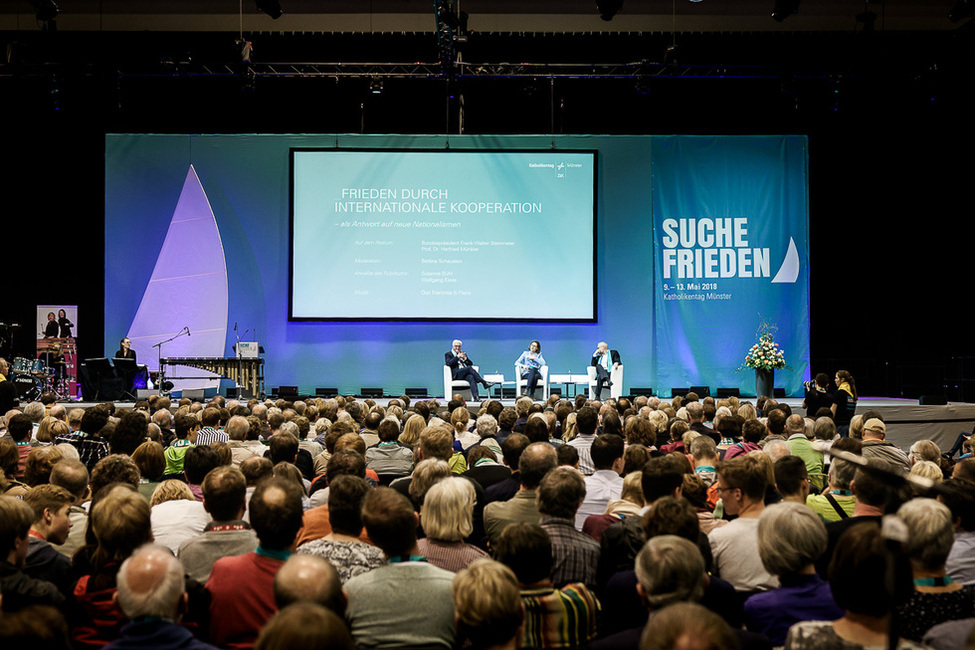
(846, 386)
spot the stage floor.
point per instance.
(907, 421)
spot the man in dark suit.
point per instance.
(462, 368)
(604, 360)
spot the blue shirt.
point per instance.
(800, 598)
(525, 363)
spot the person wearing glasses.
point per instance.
(740, 485)
(530, 364)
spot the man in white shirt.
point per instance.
(741, 485)
(605, 484)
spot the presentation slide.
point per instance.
(442, 235)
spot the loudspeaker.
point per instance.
(702, 391)
(679, 392)
(416, 392)
(326, 392)
(728, 392)
(933, 400)
(287, 391)
(195, 394)
(646, 392)
(145, 393)
(371, 392)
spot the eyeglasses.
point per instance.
(719, 489)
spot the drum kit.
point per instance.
(48, 373)
(34, 377)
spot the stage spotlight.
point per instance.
(608, 8)
(784, 8)
(962, 9)
(45, 10)
(376, 86)
(271, 7)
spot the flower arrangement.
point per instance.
(766, 354)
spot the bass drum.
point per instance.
(28, 387)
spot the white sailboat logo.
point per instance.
(188, 287)
(789, 271)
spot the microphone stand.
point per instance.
(162, 368)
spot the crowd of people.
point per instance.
(345, 523)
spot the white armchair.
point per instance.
(615, 376)
(452, 386)
(521, 385)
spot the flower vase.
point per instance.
(764, 381)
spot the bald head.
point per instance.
(150, 583)
(794, 424)
(309, 578)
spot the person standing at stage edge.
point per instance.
(844, 401)
(605, 361)
(462, 369)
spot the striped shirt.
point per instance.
(208, 435)
(559, 618)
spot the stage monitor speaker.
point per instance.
(145, 393)
(287, 391)
(555, 391)
(679, 392)
(195, 394)
(415, 392)
(371, 392)
(645, 392)
(933, 400)
(727, 392)
(778, 393)
(326, 392)
(702, 391)
(508, 393)
(239, 392)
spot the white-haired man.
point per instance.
(152, 594)
(462, 368)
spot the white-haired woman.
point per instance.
(791, 537)
(447, 519)
(936, 598)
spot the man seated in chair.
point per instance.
(604, 361)
(462, 369)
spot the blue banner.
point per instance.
(731, 252)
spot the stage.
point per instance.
(907, 421)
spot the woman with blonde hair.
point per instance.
(447, 518)
(411, 430)
(176, 514)
(43, 436)
(570, 427)
(460, 421)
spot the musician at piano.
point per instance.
(52, 329)
(125, 350)
(64, 325)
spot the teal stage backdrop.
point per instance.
(698, 240)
